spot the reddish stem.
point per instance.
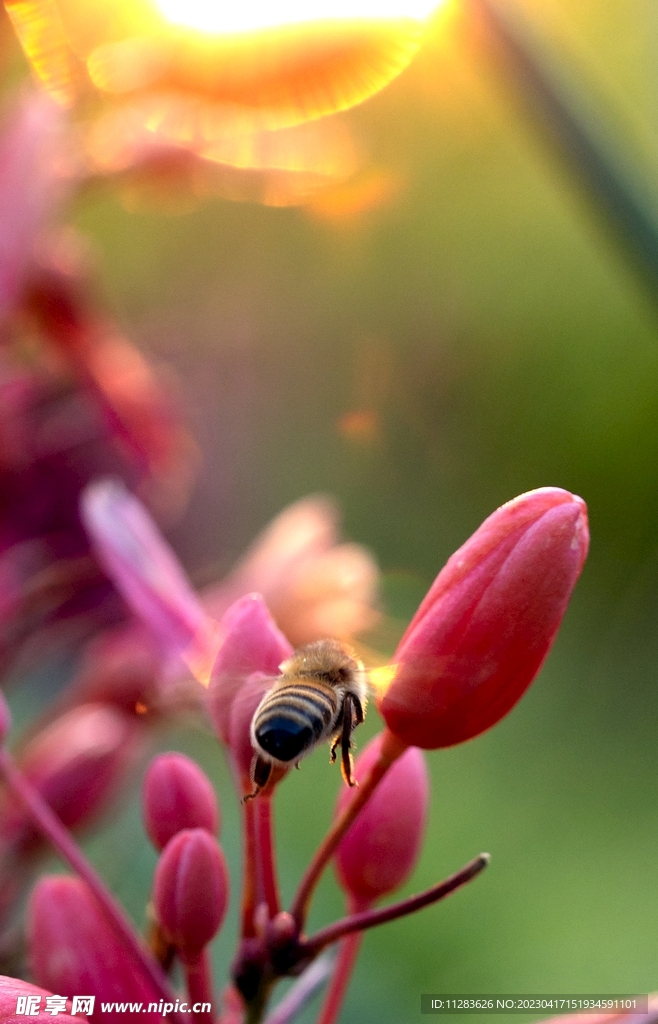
(268, 888)
(198, 980)
(391, 748)
(371, 918)
(349, 950)
(52, 828)
(250, 879)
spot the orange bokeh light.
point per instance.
(284, 64)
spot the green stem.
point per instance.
(614, 188)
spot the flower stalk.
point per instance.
(366, 919)
(265, 856)
(198, 980)
(391, 749)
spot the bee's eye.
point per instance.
(284, 738)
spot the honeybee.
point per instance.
(320, 695)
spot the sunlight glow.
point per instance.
(381, 678)
(281, 64)
(250, 15)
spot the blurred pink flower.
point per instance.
(74, 949)
(78, 764)
(143, 566)
(12, 989)
(298, 548)
(36, 170)
(57, 432)
(313, 585)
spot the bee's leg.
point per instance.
(359, 713)
(332, 750)
(260, 774)
(351, 711)
(338, 733)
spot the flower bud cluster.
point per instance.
(471, 650)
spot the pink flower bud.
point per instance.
(11, 990)
(483, 630)
(252, 643)
(190, 890)
(380, 849)
(143, 567)
(242, 712)
(77, 764)
(74, 950)
(177, 795)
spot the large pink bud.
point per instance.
(75, 950)
(190, 890)
(483, 630)
(177, 795)
(380, 849)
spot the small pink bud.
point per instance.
(190, 890)
(74, 950)
(142, 565)
(78, 763)
(379, 851)
(177, 795)
(483, 630)
(252, 643)
(12, 990)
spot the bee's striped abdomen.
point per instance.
(293, 717)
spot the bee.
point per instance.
(320, 695)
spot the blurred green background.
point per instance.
(498, 340)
